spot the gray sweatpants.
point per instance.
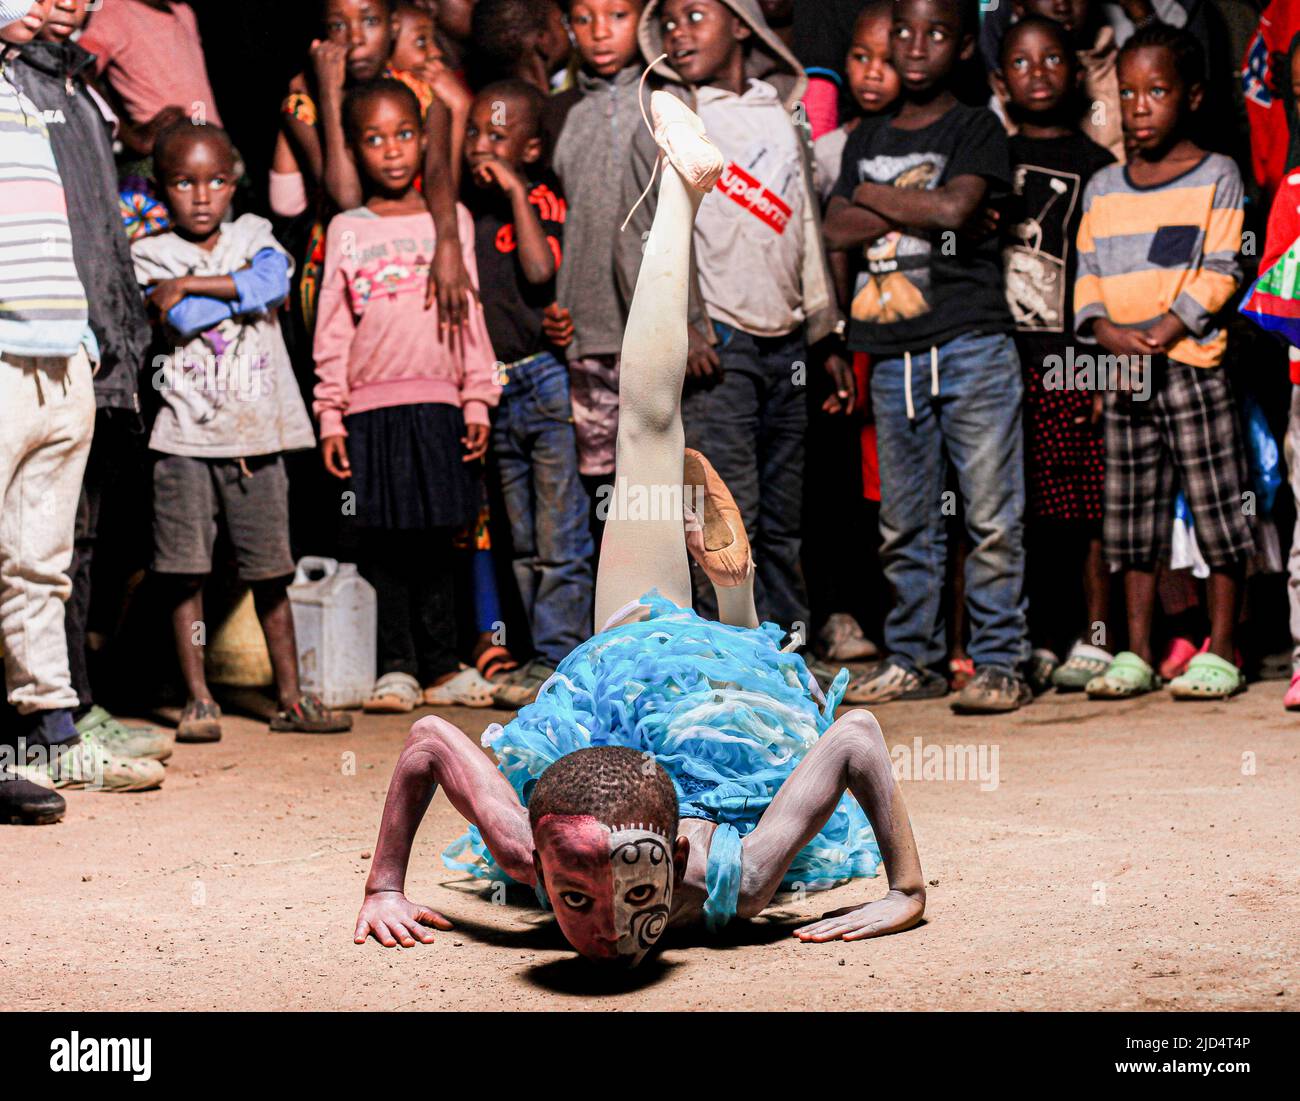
(47, 418)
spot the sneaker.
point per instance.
(520, 688)
(308, 716)
(25, 803)
(89, 765)
(97, 725)
(993, 691)
(891, 681)
(200, 722)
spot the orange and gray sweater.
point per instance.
(1144, 252)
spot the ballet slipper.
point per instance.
(679, 132)
(717, 541)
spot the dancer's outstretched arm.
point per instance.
(852, 756)
(438, 753)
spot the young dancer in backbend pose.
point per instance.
(672, 769)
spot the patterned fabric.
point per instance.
(143, 215)
(1185, 436)
(1065, 453)
(1144, 252)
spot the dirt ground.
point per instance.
(1139, 855)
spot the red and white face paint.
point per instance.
(611, 888)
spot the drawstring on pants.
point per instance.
(907, 380)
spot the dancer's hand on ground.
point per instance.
(393, 919)
(334, 452)
(701, 359)
(449, 286)
(844, 397)
(475, 442)
(892, 914)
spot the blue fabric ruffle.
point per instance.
(722, 709)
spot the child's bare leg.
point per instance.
(1140, 602)
(1096, 591)
(187, 627)
(271, 599)
(1224, 592)
(436, 753)
(851, 756)
(641, 554)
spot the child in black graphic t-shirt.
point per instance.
(1064, 447)
(928, 306)
(519, 216)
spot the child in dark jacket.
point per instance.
(53, 72)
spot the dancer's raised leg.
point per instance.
(643, 547)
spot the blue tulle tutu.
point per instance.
(722, 709)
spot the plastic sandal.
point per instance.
(1083, 663)
(466, 689)
(1179, 653)
(1042, 665)
(1127, 676)
(494, 662)
(1291, 701)
(961, 671)
(309, 716)
(393, 694)
(1208, 677)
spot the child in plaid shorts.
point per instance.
(1158, 259)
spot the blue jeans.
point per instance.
(750, 425)
(536, 454)
(974, 423)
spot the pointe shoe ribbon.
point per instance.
(679, 132)
(717, 539)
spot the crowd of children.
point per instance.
(964, 332)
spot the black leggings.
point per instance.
(412, 572)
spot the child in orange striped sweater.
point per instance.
(1157, 255)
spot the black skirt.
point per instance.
(408, 468)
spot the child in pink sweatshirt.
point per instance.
(403, 407)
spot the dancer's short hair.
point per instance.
(615, 785)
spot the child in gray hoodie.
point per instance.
(762, 289)
(590, 159)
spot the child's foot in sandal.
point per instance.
(1083, 663)
(493, 662)
(307, 715)
(1179, 653)
(1208, 677)
(394, 694)
(1127, 676)
(465, 688)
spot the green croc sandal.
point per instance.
(1208, 677)
(1083, 664)
(1128, 675)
